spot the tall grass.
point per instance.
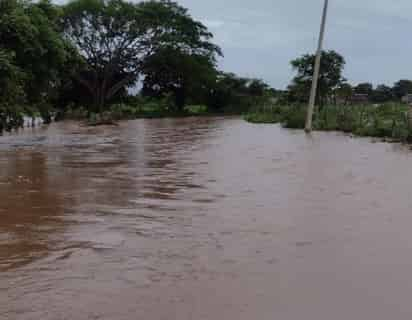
(266, 114)
(386, 121)
(133, 110)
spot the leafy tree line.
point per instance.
(333, 88)
(362, 109)
(89, 53)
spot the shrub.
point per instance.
(386, 121)
(294, 117)
(196, 109)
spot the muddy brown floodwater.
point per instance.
(209, 218)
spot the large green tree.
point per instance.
(12, 96)
(186, 76)
(234, 94)
(32, 53)
(116, 37)
(111, 37)
(330, 76)
(30, 32)
(184, 61)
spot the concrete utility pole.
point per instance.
(312, 100)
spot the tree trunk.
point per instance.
(99, 99)
(180, 99)
(96, 100)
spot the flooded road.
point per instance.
(203, 219)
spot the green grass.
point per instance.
(266, 114)
(154, 110)
(385, 121)
(196, 109)
(267, 117)
(146, 110)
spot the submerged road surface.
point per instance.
(203, 219)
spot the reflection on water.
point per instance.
(30, 209)
(209, 218)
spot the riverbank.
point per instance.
(389, 121)
(120, 112)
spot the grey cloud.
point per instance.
(260, 37)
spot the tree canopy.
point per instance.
(89, 53)
(32, 53)
(116, 38)
(181, 74)
(330, 76)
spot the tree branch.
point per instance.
(114, 89)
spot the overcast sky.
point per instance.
(260, 37)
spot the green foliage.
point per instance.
(79, 59)
(75, 113)
(183, 62)
(121, 40)
(82, 57)
(385, 121)
(11, 79)
(330, 76)
(30, 32)
(32, 53)
(88, 52)
(265, 113)
(197, 109)
(231, 94)
(111, 37)
(294, 117)
(185, 76)
(265, 117)
(144, 109)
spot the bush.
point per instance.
(265, 113)
(386, 121)
(75, 113)
(196, 109)
(123, 111)
(11, 117)
(294, 117)
(268, 117)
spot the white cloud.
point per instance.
(212, 24)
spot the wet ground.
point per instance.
(207, 218)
